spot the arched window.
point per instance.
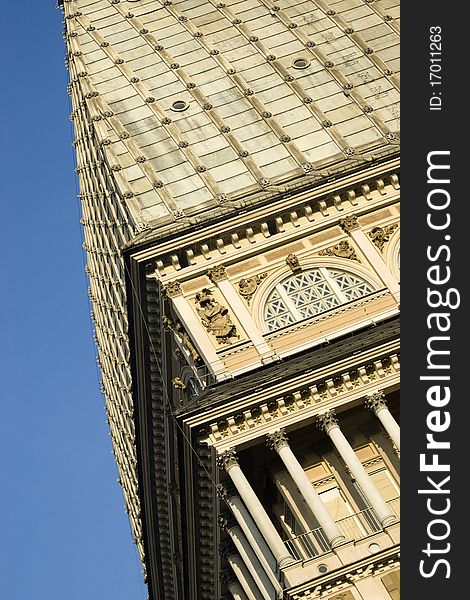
(311, 292)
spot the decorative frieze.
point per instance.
(341, 250)
(302, 401)
(215, 318)
(248, 286)
(381, 235)
(341, 581)
(302, 215)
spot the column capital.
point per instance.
(349, 223)
(227, 577)
(327, 421)
(277, 440)
(226, 550)
(173, 289)
(217, 274)
(226, 521)
(226, 490)
(228, 459)
(376, 401)
(221, 490)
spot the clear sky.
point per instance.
(64, 531)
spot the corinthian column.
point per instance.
(252, 533)
(241, 572)
(378, 404)
(228, 460)
(329, 424)
(236, 590)
(279, 442)
(248, 556)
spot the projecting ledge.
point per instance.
(343, 556)
(302, 572)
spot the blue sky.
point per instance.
(64, 532)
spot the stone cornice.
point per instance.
(341, 579)
(159, 491)
(208, 523)
(234, 429)
(221, 400)
(293, 219)
(328, 192)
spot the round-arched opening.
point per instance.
(311, 292)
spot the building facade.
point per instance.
(239, 179)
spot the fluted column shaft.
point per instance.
(236, 590)
(252, 563)
(229, 462)
(329, 424)
(377, 403)
(253, 535)
(244, 577)
(278, 441)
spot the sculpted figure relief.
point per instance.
(342, 250)
(215, 317)
(293, 263)
(381, 235)
(248, 286)
(180, 331)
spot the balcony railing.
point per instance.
(308, 545)
(354, 528)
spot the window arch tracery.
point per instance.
(303, 295)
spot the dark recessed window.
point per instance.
(301, 63)
(322, 569)
(179, 105)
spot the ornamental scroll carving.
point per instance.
(226, 521)
(227, 459)
(215, 317)
(381, 235)
(341, 250)
(248, 286)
